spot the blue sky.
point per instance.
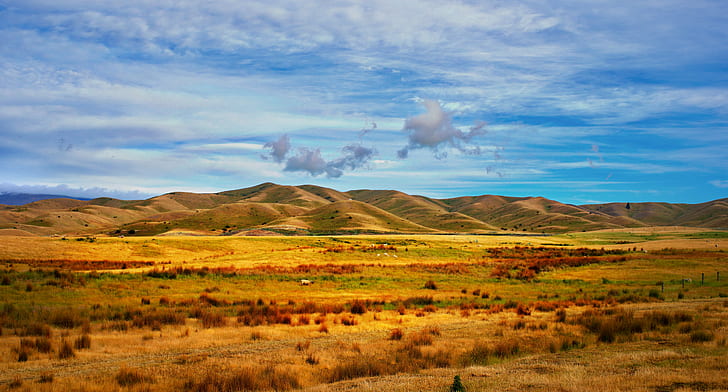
(577, 101)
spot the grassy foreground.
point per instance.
(622, 311)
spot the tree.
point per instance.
(457, 385)
(627, 206)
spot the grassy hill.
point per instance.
(310, 209)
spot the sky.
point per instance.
(577, 101)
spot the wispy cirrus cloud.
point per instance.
(195, 91)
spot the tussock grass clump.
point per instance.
(359, 366)
(611, 324)
(701, 336)
(36, 329)
(157, 317)
(43, 344)
(210, 319)
(66, 350)
(82, 342)
(396, 334)
(126, 377)
(66, 318)
(483, 354)
(358, 307)
(46, 378)
(479, 354)
(246, 378)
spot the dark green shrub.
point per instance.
(457, 385)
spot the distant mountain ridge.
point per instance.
(308, 209)
(18, 198)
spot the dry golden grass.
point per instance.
(234, 316)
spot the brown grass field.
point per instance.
(615, 310)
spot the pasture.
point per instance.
(611, 310)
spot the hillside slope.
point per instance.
(310, 209)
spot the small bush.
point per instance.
(430, 285)
(457, 385)
(23, 356)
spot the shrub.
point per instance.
(430, 285)
(23, 356)
(457, 385)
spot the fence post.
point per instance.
(702, 278)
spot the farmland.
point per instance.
(640, 309)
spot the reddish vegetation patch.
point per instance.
(524, 263)
(356, 248)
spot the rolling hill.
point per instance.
(308, 209)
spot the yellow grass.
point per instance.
(438, 341)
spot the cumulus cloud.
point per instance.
(434, 130)
(278, 148)
(307, 160)
(353, 156)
